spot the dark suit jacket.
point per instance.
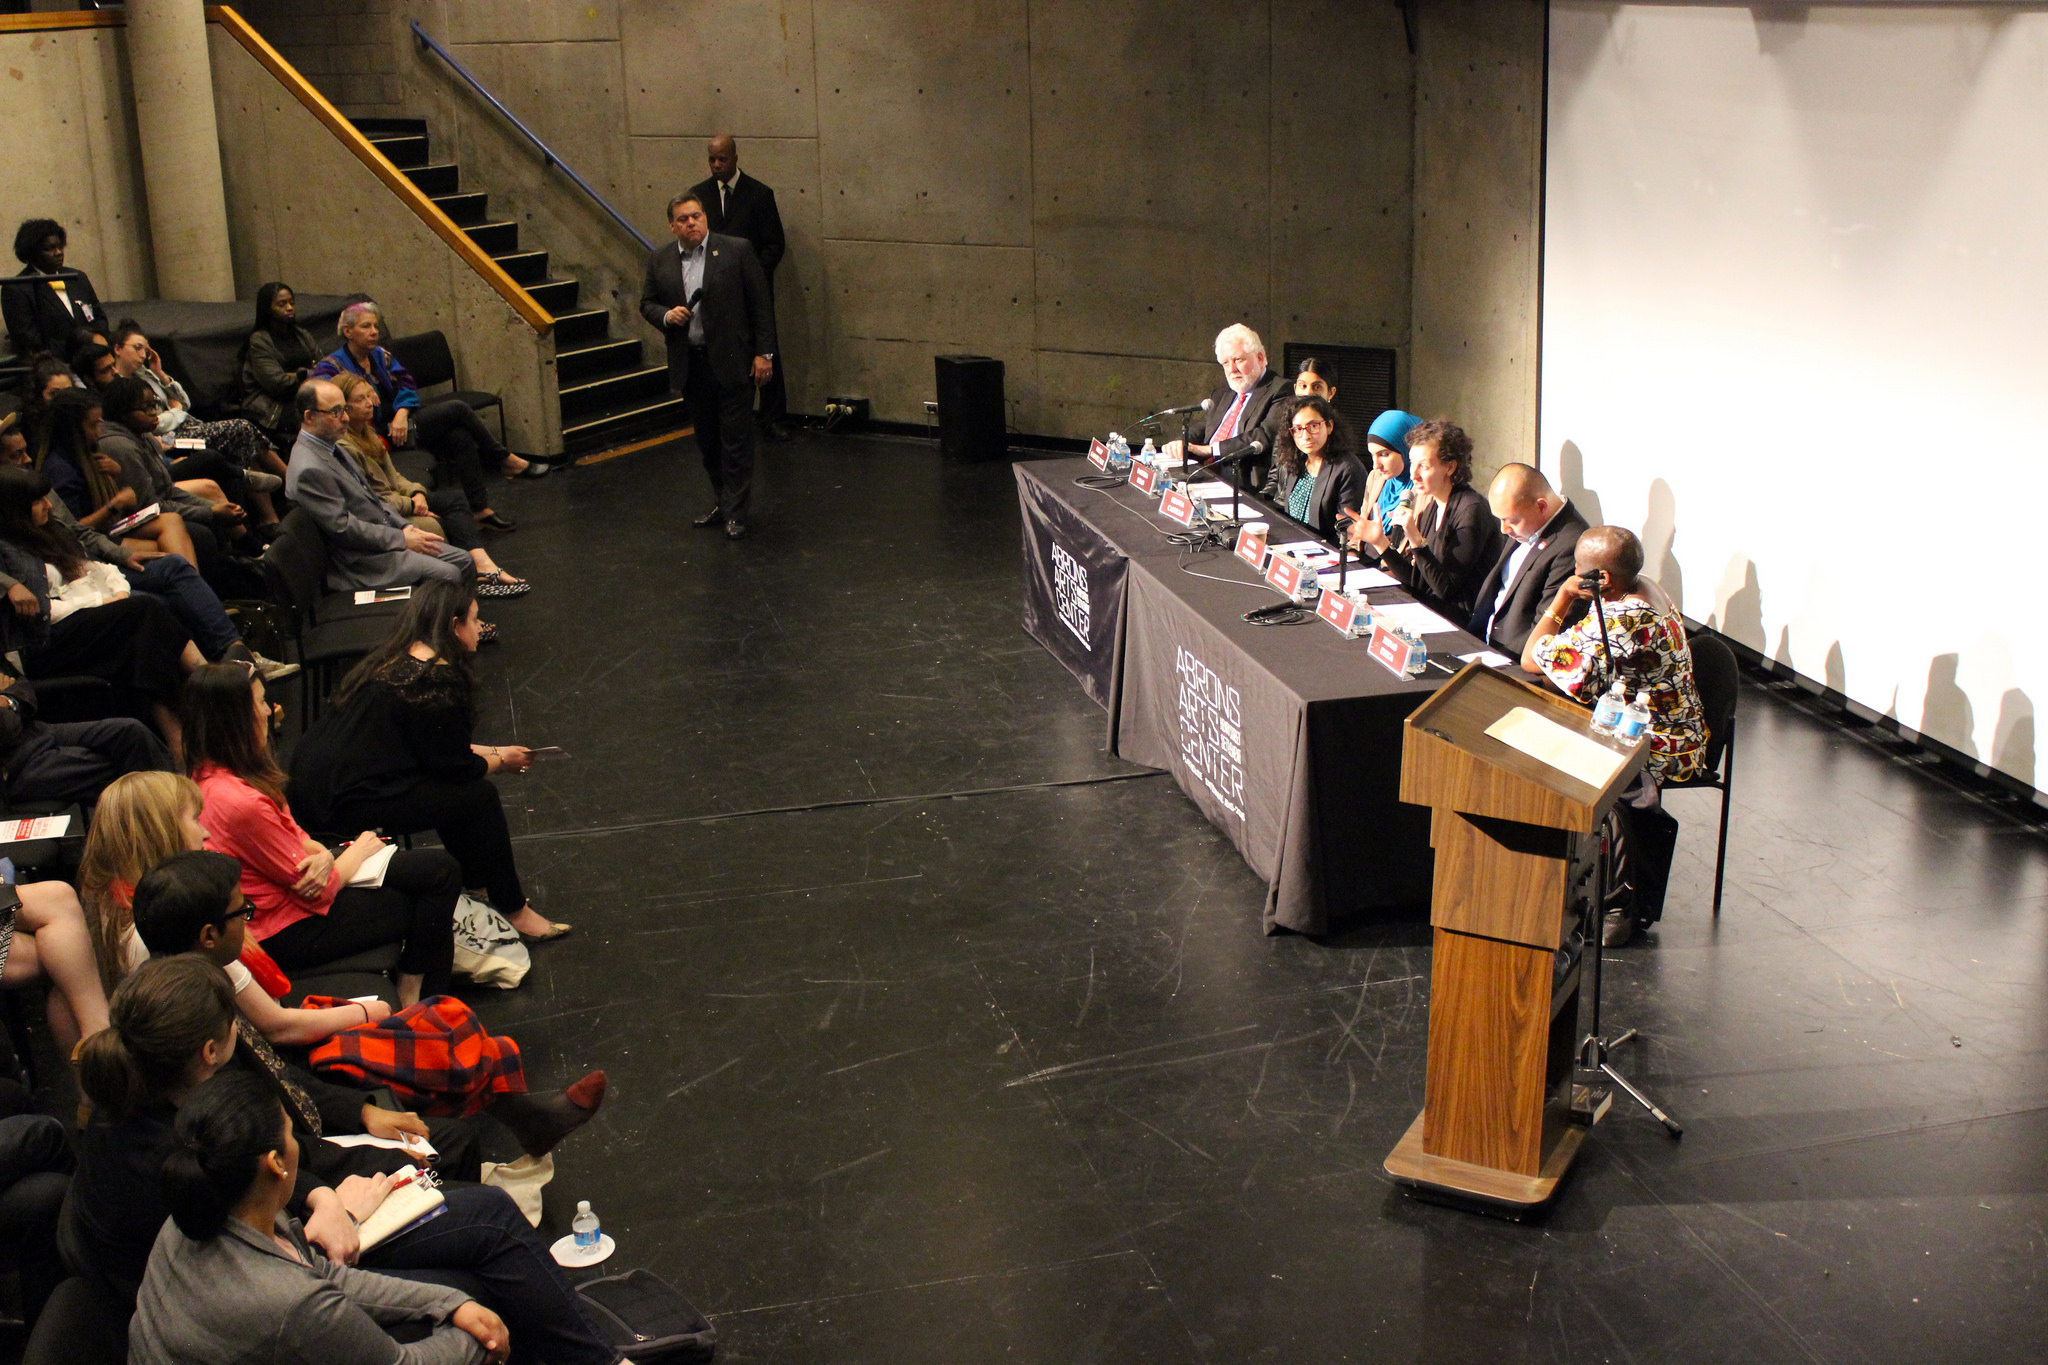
(1340, 485)
(38, 322)
(1260, 421)
(739, 315)
(752, 215)
(1451, 554)
(1545, 570)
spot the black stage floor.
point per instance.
(936, 1035)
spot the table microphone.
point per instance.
(1202, 406)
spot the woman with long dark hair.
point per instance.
(68, 451)
(233, 1276)
(1315, 476)
(396, 751)
(276, 358)
(66, 621)
(1316, 378)
(311, 906)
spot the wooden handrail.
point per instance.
(394, 179)
(52, 20)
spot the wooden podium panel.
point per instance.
(1489, 1027)
(1515, 840)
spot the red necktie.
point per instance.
(1229, 427)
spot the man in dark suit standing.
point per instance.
(1543, 533)
(709, 297)
(741, 206)
(1250, 406)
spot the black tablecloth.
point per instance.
(201, 343)
(1287, 737)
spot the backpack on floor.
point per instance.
(644, 1318)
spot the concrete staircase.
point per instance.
(610, 395)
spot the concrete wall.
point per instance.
(72, 153)
(302, 208)
(1089, 192)
(1478, 211)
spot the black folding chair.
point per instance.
(426, 354)
(1715, 674)
(327, 629)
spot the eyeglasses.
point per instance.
(1317, 424)
(332, 412)
(247, 912)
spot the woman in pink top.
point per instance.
(311, 906)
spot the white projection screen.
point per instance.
(1795, 333)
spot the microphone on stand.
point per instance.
(1252, 451)
(1202, 406)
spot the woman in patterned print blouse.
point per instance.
(1646, 640)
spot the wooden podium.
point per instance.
(1516, 843)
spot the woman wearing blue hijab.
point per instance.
(1386, 441)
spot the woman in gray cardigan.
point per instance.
(232, 1279)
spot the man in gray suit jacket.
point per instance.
(369, 545)
(710, 299)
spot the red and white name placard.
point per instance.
(1177, 506)
(1390, 649)
(1098, 453)
(1284, 574)
(1339, 610)
(1251, 547)
(1144, 477)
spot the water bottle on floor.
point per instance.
(1635, 718)
(1607, 714)
(584, 1226)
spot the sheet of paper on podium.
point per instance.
(1566, 750)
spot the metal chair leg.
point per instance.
(1727, 795)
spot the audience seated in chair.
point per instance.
(128, 434)
(92, 364)
(276, 358)
(447, 428)
(174, 1030)
(440, 512)
(369, 545)
(396, 751)
(72, 615)
(46, 379)
(40, 316)
(158, 573)
(1646, 644)
(311, 906)
(88, 481)
(237, 452)
(191, 902)
(69, 762)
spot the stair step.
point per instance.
(581, 401)
(388, 127)
(525, 267)
(557, 296)
(435, 180)
(464, 208)
(580, 329)
(496, 238)
(627, 422)
(402, 150)
(583, 363)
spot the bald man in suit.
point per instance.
(1542, 530)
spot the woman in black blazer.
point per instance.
(1316, 452)
(1450, 537)
(38, 318)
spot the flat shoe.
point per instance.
(556, 929)
(533, 470)
(487, 633)
(504, 585)
(710, 521)
(735, 530)
(497, 521)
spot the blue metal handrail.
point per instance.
(547, 152)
